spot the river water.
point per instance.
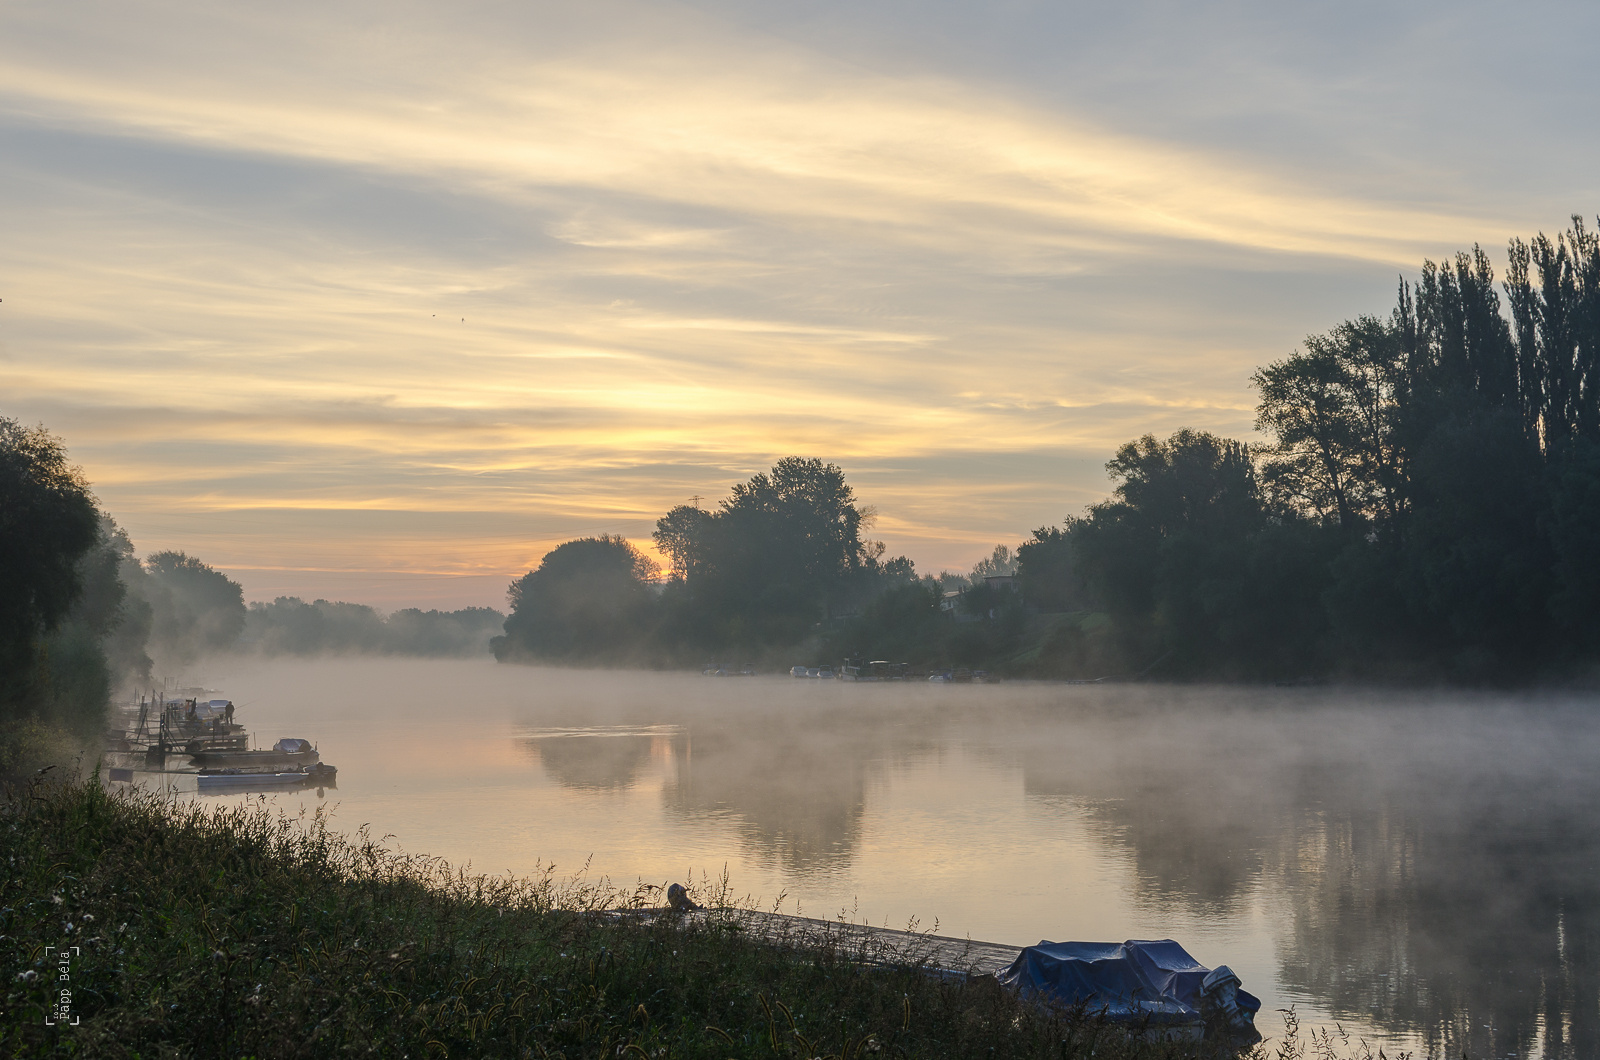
(1418, 869)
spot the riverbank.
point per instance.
(239, 931)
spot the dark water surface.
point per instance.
(1422, 869)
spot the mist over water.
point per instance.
(1419, 867)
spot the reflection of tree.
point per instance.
(1454, 901)
(1191, 839)
(1484, 918)
(799, 794)
(592, 762)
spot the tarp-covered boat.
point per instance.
(1152, 983)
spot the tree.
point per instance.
(1047, 572)
(48, 521)
(589, 599)
(999, 562)
(1460, 340)
(681, 537)
(1168, 556)
(803, 516)
(290, 626)
(1553, 287)
(1332, 412)
(782, 551)
(196, 609)
(69, 632)
(1574, 527)
(109, 611)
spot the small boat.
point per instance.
(319, 775)
(876, 670)
(1155, 985)
(727, 670)
(286, 754)
(222, 741)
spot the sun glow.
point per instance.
(472, 266)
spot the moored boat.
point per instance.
(286, 754)
(876, 670)
(318, 775)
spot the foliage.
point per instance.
(1428, 502)
(997, 564)
(196, 609)
(1178, 558)
(48, 521)
(98, 645)
(1047, 571)
(236, 931)
(1333, 413)
(778, 563)
(67, 632)
(120, 616)
(782, 552)
(290, 626)
(590, 599)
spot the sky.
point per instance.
(382, 301)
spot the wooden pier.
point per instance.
(878, 945)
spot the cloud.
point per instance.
(764, 132)
(289, 278)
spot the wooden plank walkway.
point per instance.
(883, 945)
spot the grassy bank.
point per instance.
(240, 932)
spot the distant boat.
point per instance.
(961, 675)
(727, 670)
(876, 670)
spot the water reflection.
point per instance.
(599, 758)
(1436, 866)
(1477, 930)
(1441, 881)
(798, 794)
(795, 796)
(1419, 867)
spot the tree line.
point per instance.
(81, 615)
(1425, 504)
(289, 625)
(767, 569)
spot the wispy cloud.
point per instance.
(536, 270)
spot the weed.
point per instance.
(239, 931)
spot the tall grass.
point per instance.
(240, 931)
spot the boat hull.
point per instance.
(319, 776)
(264, 761)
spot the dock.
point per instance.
(877, 945)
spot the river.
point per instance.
(1419, 869)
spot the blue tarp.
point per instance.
(1132, 981)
